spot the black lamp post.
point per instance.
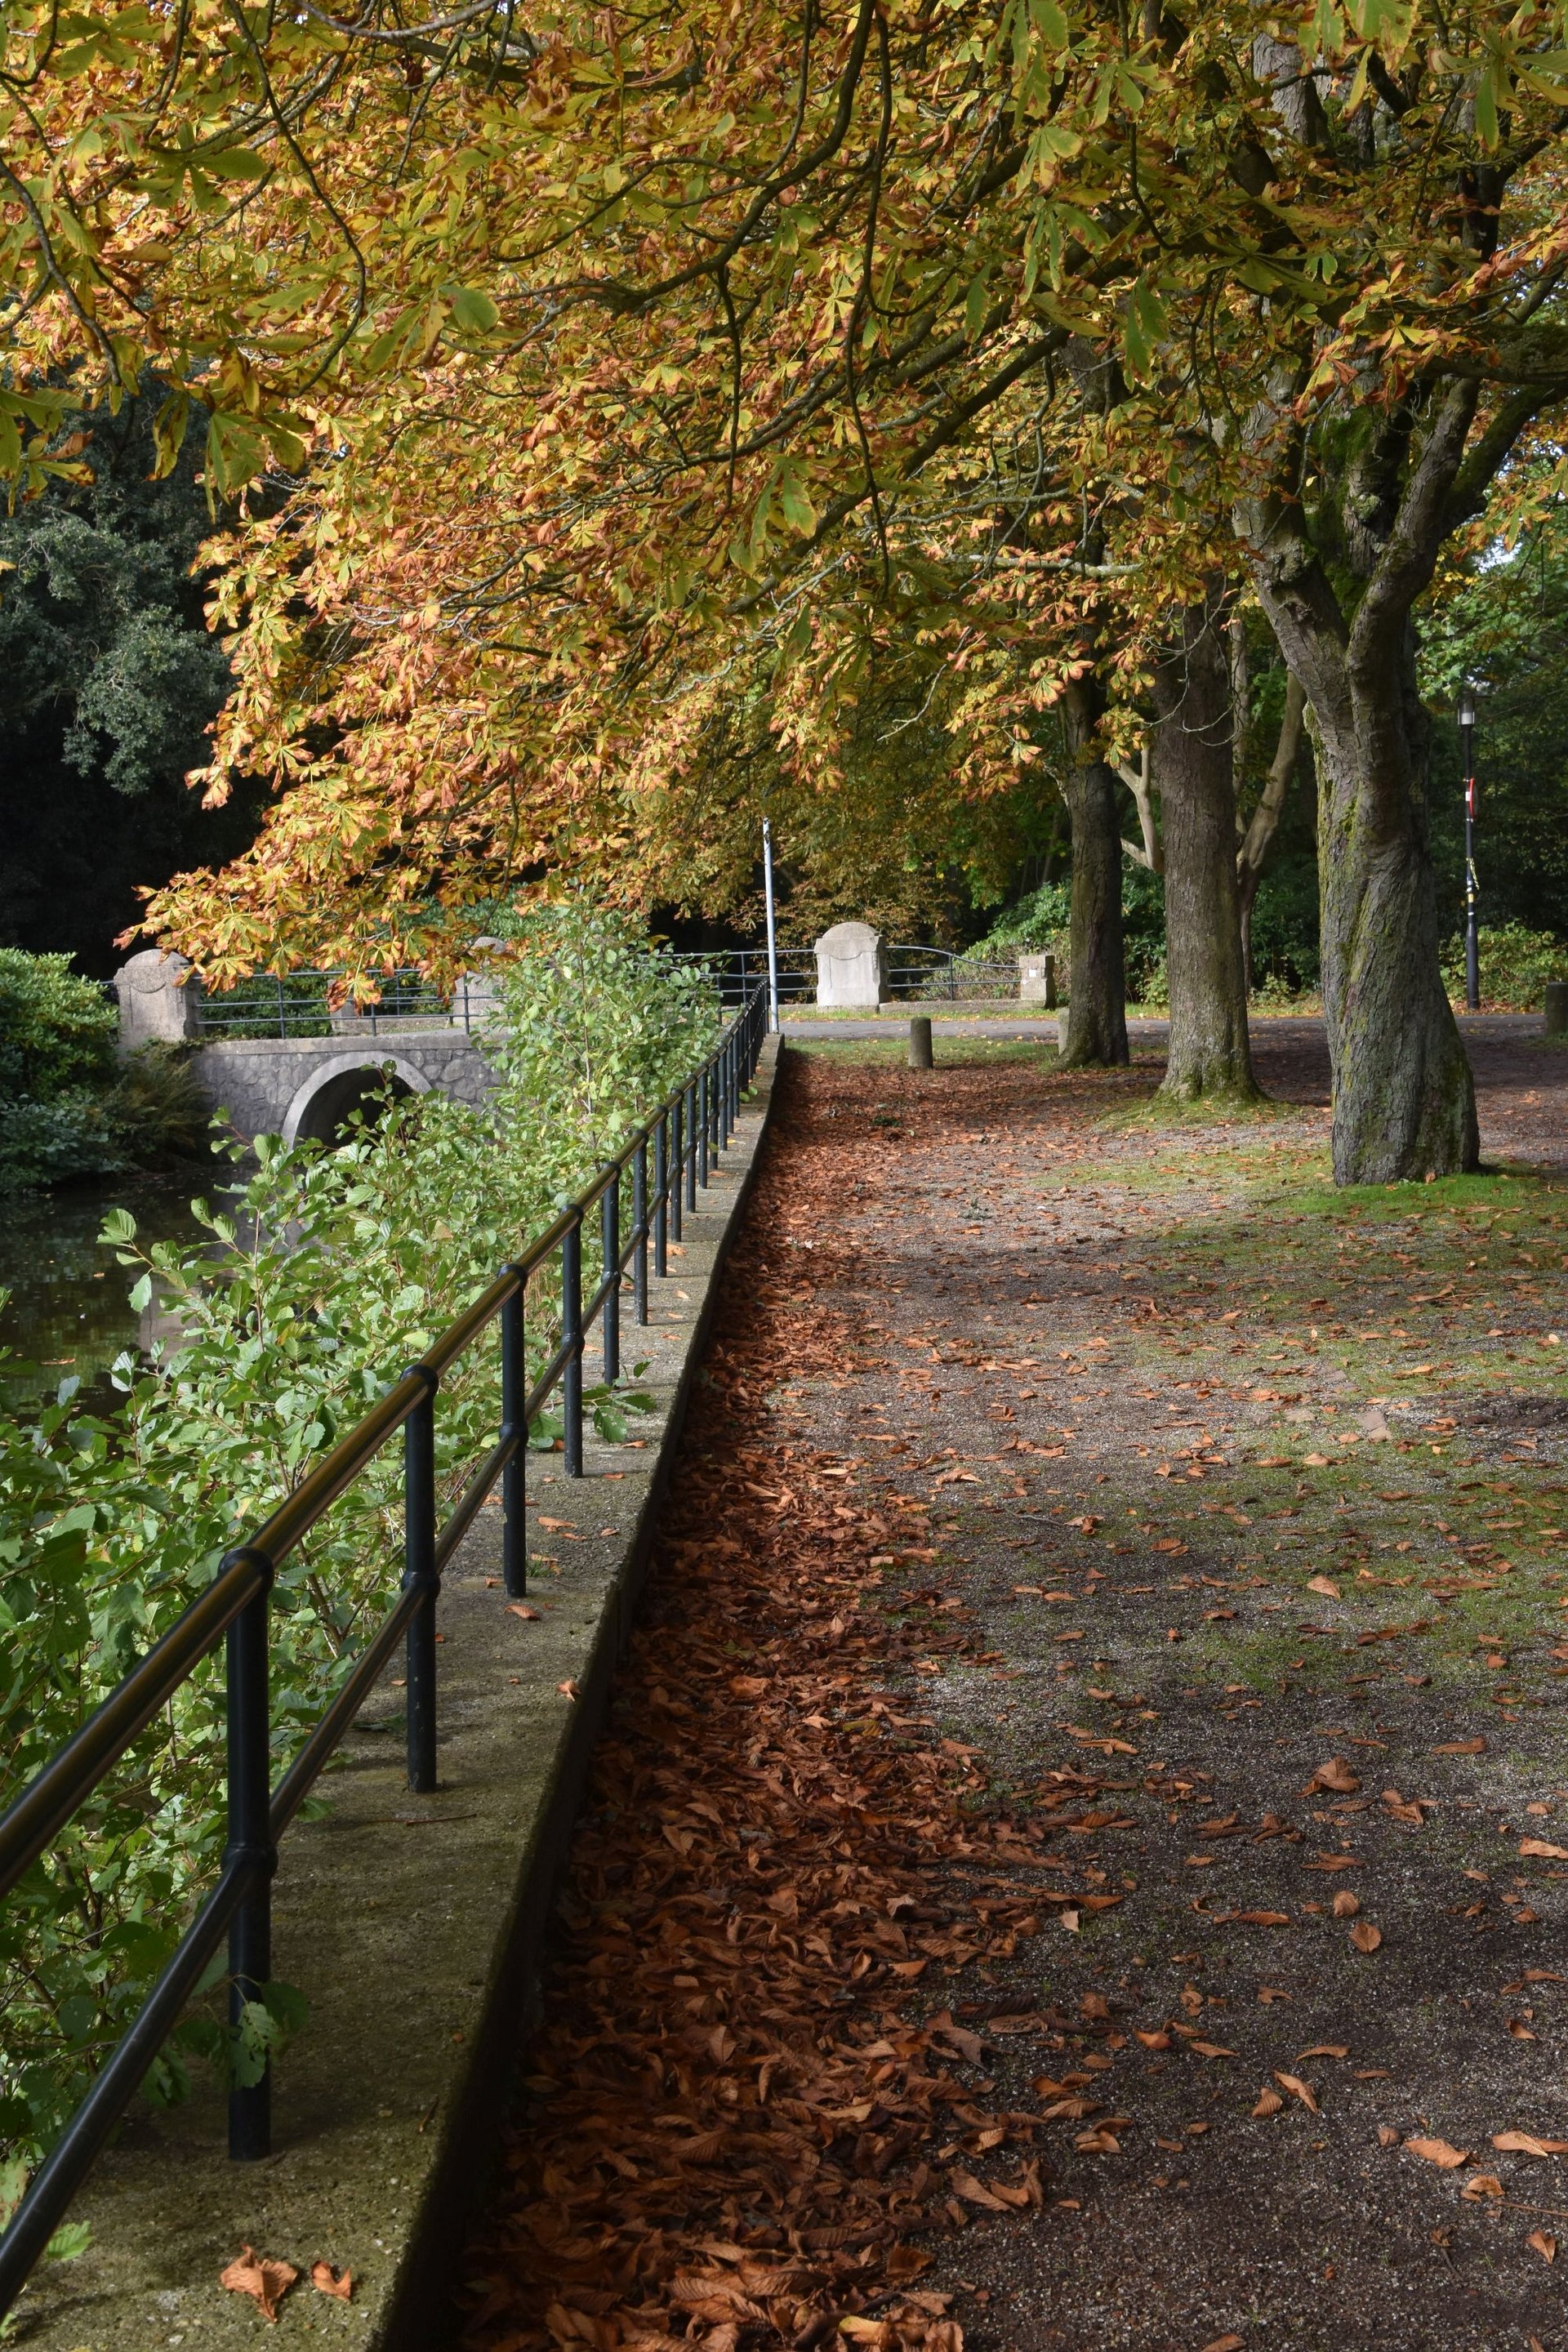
(1473, 939)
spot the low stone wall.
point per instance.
(411, 1924)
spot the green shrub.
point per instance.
(57, 1062)
(50, 1143)
(57, 1030)
(324, 1276)
(1515, 966)
(1041, 920)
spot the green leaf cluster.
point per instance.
(319, 1277)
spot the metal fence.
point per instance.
(915, 974)
(666, 1163)
(295, 1004)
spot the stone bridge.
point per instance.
(302, 1087)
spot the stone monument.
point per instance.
(851, 969)
(160, 1000)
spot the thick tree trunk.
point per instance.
(1096, 998)
(1404, 1101)
(1210, 1053)
(1404, 1104)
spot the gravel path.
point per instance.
(1140, 1592)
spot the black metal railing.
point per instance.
(297, 1004)
(666, 1162)
(918, 973)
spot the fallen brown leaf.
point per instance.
(1543, 1850)
(1269, 2103)
(517, 1609)
(1438, 2152)
(1225, 2343)
(1483, 2184)
(1337, 1775)
(1523, 2143)
(1345, 1904)
(1544, 2244)
(1365, 1937)
(1476, 1746)
(1298, 2090)
(327, 2281)
(265, 2282)
(1323, 1584)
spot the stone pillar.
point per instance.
(160, 1000)
(851, 969)
(1038, 980)
(477, 1000)
(1554, 1018)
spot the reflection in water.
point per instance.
(68, 1310)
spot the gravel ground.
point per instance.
(1249, 1497)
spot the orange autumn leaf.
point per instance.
(265, 2280)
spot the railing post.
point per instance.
(610, 1231)
(419, 1574)
(640, 1226)
(677, 1165)
(691, 1144)
(661, 1195)
(572, 1339)
(514, 1477)
(705, 1106)
(250, 1841)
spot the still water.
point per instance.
(68, 1309)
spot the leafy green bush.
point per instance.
(56, 1061)
(321, 1276)
(1040, 920)
(1515, 966)
(50, 1143)
(57, 1030)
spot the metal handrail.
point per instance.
(909, 968)
(687, 1132)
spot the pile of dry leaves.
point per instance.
(749, 2098)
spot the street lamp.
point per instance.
(772, 929)
(1472, 936)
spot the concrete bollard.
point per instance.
(1555, 1019)
(919, 1042)
(1037, 979)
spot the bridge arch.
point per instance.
(336, 1088)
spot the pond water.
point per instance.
(68, 1309)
